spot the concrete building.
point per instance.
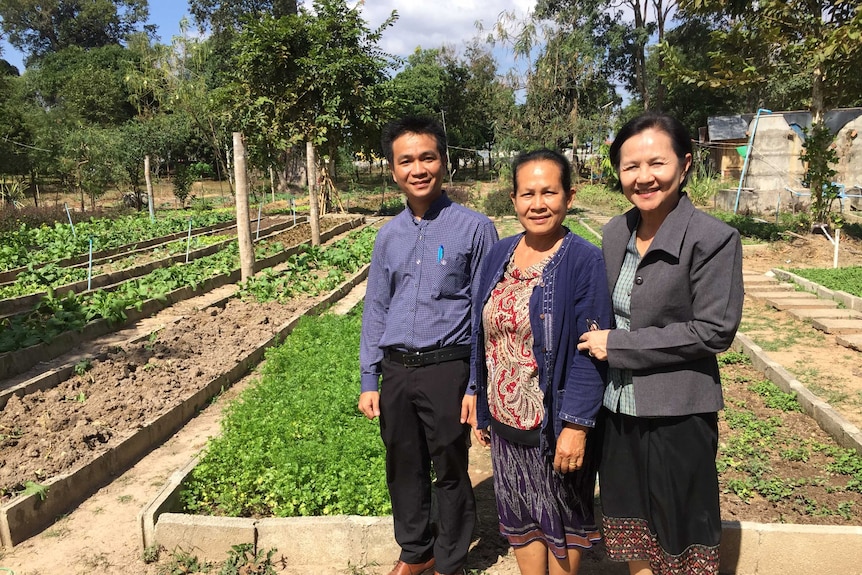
(773, 179)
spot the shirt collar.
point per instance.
(434, 209)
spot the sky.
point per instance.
(426, 24)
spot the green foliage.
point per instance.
(243, 560)
(182, 562)
(83, 366)
(498, 202)
(182, 181)
(295, 444)
(33, 488)
(39, 28)
(599, 195)
(733, 358)
(819, 156)
(847, 279)
(577, 228)
(151, 553)
(702, 185)
(26, 245)
(774, 397)
(311, 76)
(313, 270)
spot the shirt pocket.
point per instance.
(449, 277)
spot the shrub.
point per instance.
(498, 203)
(458, 194)
(182, 180)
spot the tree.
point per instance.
(83, 86)
(89, 156)
(41, 27)
(178, 81)
(816, 40)
(487, 100)
(568, 92)
(311, 77)
(625, 27)
(232, 15)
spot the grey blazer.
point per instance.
(686, 305)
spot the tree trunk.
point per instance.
(313, 214)
(243, 226)
(34, 188)
(272, 183)
(151, 197)
(640, 53)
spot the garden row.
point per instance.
(112, 409)
(284, 442)
(101, 310)
(66, 243)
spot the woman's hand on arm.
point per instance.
(595, 343)
(571, 446)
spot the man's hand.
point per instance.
(468, 410)
(369, 404)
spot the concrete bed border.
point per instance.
(25, 516)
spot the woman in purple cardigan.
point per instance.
(676, 276)
(537, 396)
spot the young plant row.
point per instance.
(751, 455)
(847, 279)
(313, 270)
(294, 444)
(55, 315)
(40, 277)
(45, 243)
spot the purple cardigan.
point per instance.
(573, 290)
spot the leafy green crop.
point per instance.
(847, 279)
(313, 270)
(295, 444)
(50, 243)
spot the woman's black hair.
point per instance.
(680, 139)
(548, 155)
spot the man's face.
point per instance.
(418, 169)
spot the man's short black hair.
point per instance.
(413, 125)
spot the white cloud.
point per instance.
(435, 23)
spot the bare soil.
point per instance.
(48, 433)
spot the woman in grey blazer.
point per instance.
(675, 276)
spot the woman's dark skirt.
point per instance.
(659, 491)
(536, 503)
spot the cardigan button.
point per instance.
(639, 280)
(541, 316)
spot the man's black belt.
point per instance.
(422, 358)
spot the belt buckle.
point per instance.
(412, 359)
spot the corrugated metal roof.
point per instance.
(733, 127)
(723, 128)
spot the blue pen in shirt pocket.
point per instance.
(441, 259)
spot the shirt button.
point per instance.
(639, 280)
(418, 262)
